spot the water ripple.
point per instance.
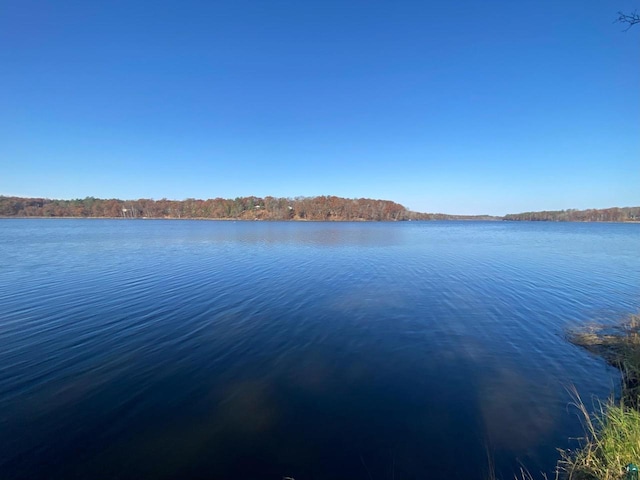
(218, 349)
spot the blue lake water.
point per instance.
(248, 350)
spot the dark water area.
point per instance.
(218, 350)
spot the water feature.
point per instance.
(202, 349)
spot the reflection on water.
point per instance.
(186, 349)
(511, 412)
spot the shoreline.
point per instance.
(611, 445)
(304, 220)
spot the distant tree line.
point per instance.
(241, 208)
(626, 214)
(323, 208)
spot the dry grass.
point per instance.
(619, 346)
(612, 441)
(612, 433)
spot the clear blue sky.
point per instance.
(444, 106)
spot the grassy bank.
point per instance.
(612, 433)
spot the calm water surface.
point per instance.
(218, 350)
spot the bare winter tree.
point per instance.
(629, 19)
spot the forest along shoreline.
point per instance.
(319, 208)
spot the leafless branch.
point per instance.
(629, 19)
